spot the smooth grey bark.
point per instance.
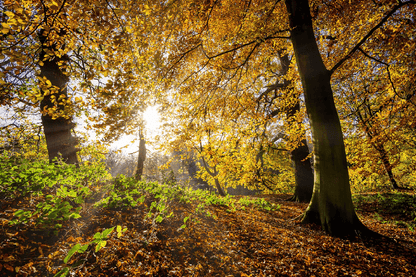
(141, 158)
(331, 205)
(59, 140)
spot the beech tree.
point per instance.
(57, 123)
(300, 155)
(222, 54)
(214, 60)
(71, 46)
(374, 99)
(331, 205)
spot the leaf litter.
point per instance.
(216, 242)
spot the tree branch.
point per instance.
(364, 39)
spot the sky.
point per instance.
(153, 124)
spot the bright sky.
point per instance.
(152, 118)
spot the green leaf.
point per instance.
(74, 215)
(120, 231)
(72, 193)
(72, 252)
(100, 245)
(19, 213)
(106, 232)
(159, 219)
(62, 273)
(83, 248)
(98, 236)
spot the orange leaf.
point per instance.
(8, 267)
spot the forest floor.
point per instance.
(218, 242)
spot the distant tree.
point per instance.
(141, 156)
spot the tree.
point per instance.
(211, 170)
(301, 161)
(56, 120)
(371, 86)
(227, 49)
(141, 157)
(77, 40)
(331, 205)
(365, 116)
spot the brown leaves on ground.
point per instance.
(246, 242)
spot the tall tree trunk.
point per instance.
(218, 186)
(331, 205)
(59, 140)
(303, 173)
(299, 156)
(141, 158)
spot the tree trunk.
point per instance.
(387, 166)
(142, 157)
(214, 174)
(192, 168)
(379, 146)
(219, 188)
(59, 140)
(303, 173)
(331, 205)
(299, 156)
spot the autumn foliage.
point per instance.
(279, 97)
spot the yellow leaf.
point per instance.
(147, 10)
(9, 14)
(54, 6)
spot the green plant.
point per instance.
(59, 188)
(100, 241)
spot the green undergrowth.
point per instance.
(52, 193)
(397, 208)
(49, 196)
(127, 192)
(46, 195)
